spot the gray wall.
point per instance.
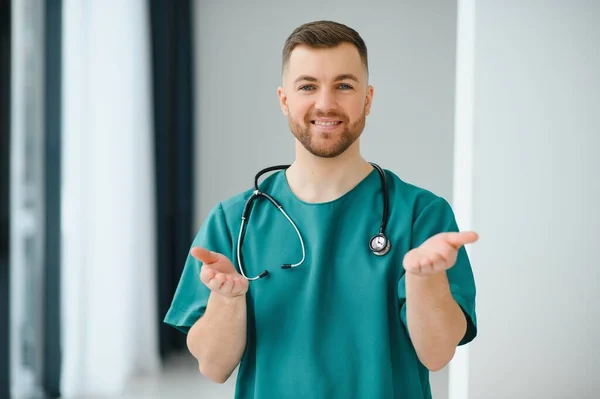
(536, 200)
(239, 123)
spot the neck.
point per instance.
(314, 179)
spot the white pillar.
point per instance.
(458, 378)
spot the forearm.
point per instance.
(218, 339)
(436, 323)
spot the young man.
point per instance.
(348, 319)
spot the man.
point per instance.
(344, 323)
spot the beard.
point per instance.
(327, 144)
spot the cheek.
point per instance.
(298, 109)
(356, 109)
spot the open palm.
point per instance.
(219, 274)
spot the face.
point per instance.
(326, 98)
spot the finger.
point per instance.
(417, 261)
(207, 274)
(413, 257)
(240, 285)
(204, 255)
(221, 278)
(427, 264)
(438, 262)
(227, 286)
(440, 249)
(413, 265)
(411, 262)
(458, 239)
(216, 283)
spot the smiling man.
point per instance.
(327, 112)
(381, 291)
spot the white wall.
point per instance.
(412, 54)
(536, 199)
(412, 62)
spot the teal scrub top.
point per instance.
(334, 327)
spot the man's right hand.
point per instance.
(219, 274)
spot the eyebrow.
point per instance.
(345, 76)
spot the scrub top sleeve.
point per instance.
(191, 295)
(438, 217)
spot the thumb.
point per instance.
(204, 255)
(458, 239)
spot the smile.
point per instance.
(326, 123)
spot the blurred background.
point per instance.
(123, 122)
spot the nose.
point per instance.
(326, 101)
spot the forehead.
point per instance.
(325, 63)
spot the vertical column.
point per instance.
(462, 195)
(52, 55)
(27, 198)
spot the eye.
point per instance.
(345, 86)
(306, 88)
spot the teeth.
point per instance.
(325, 123)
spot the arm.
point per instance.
(209, 304)
(218, 339)
(436, 323)
(438, 287)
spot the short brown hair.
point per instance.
(324, 34)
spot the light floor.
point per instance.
(180, 379)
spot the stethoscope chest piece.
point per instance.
(379, 244)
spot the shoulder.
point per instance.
(419, 212)
(416, 198)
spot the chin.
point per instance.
(324, 144)
(326, 151)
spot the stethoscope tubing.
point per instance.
(380, 250)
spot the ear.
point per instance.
(368, 100)
(283, 100)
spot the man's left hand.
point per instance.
(438, 253)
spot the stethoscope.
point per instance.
(379, 243)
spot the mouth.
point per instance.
(326, 124)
